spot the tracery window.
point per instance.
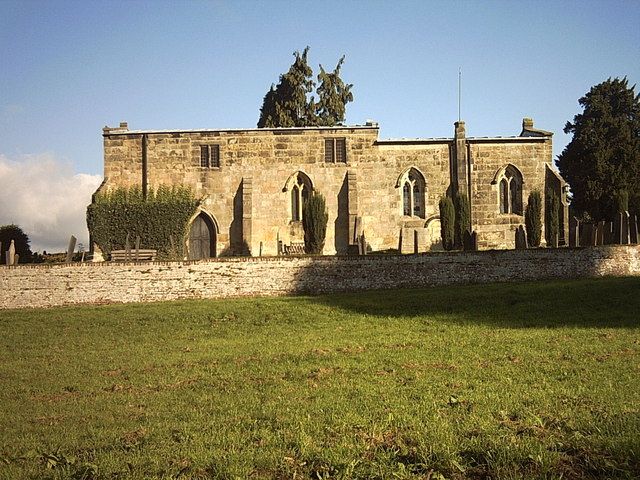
(300, 191)
(413, 193)
(510, 191)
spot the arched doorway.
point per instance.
(202, 238)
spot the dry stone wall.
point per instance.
(44, 286)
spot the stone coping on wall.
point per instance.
(48, 285)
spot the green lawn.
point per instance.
(533, 380)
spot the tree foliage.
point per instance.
(533, 219)
(603, 158)
(462, 218)
(21, 243)
(314, 222)
(333, 96)
(289, 104)
(158, 219)
(552, 211)
(447, 222)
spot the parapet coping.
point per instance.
(423, 141)
(119, 131)
(317, 258)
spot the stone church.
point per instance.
(380, 192)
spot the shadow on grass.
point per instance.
(604, 302)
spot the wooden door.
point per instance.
(201, 239)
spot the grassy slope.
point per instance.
(532, 380)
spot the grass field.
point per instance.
(533, 380)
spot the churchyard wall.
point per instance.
(87, 283)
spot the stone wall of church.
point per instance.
(249, 195)
(27, 286)
(530, 156)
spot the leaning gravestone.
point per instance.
(71, 249)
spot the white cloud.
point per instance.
(46, 199)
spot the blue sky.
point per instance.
(69, 68)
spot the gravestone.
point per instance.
(470, 241)
(11, 254)
(521, 238)
(574, 232)
(625, 227)
(600, 233)
(71, 248)
(608, 233)
(633, 229)
(588, 235)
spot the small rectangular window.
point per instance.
(210, 156)
(328, 150)
(335, 150)
(204, 156)
(341, 150)
(214, 159)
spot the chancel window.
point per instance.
(510, 191)
(300, 192)
(210, 156)
(335, 150)
(413, 193)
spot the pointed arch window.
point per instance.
(510, 191)
(300, 186)
(413, 193)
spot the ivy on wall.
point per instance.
(161, 220)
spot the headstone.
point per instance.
(98, 256)
(521, 238)
(608, 233)
(71, 249)
(588, 235)
(16, 259)
(633, 229)
(574, 232)
(474, 241)
(407, 240)
(11, 254)
(600, 233)
(624, 223)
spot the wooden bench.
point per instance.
(142, 255)
(296, 248)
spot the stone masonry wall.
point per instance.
(267, 159)
(53, 285)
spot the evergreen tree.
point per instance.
(447, 222)
(603, 157)
(21, 243)
(333, 96)
(288, 103)
(314, 223)
(552, 211)
(285, 105)
(462, 218)
(533, 219)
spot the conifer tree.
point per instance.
(603, 157)
(552, 213)
(333, 95)
(447, 222)
(289, 104)
(314, 222)
(533, 218)
(285, 105)
(462, 218)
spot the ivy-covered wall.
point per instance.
(161, 220)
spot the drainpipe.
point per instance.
(144, 166)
